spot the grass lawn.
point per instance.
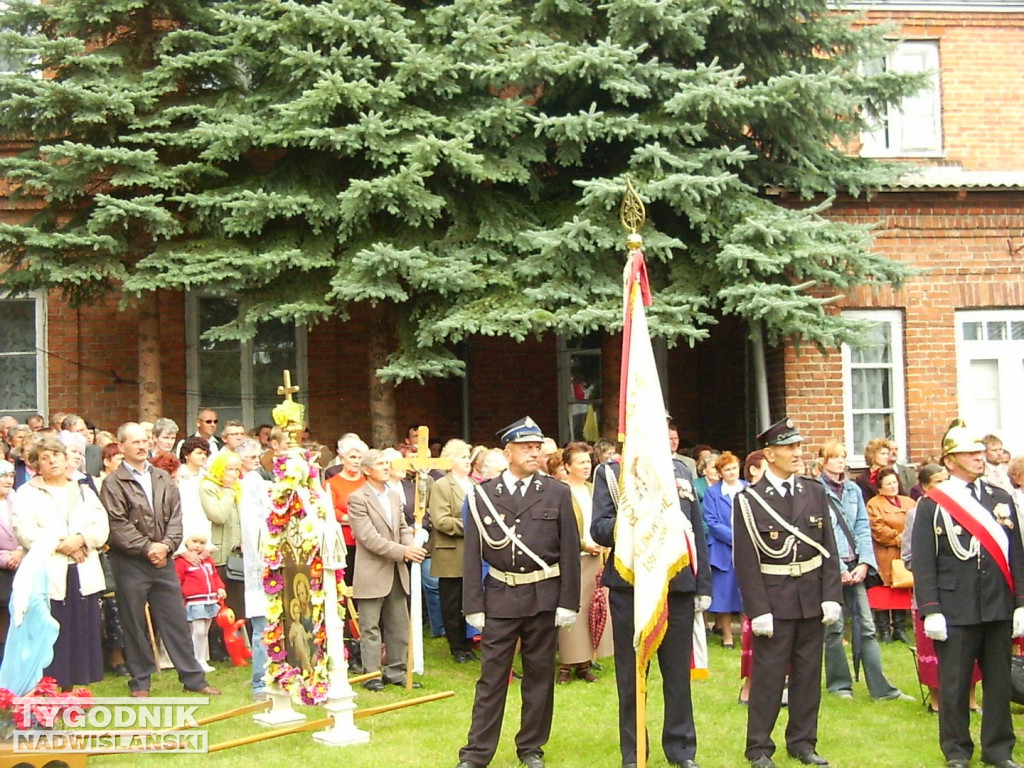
(852, 734)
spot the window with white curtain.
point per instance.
(22, 358)
(874, 393)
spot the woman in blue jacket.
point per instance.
(725, 592)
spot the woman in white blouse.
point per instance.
(65, 520)
(575, 644)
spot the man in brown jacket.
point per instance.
(144, 511)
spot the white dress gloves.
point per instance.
(475, 620)
(564, 617)
(831, 612)
(763, 625)
(701, 603)
(1018, 622)
(935, 626)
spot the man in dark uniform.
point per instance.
(685, 592)
(522, 526)
(788, 572)
(969, 582)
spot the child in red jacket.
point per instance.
(203, 590)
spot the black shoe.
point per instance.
(629, 765)
(460, 657)
(762, 761)
(401, 683)
(466, 764)
(685, 764)
(596, 666)
(374, 684)
(1002, 764)
(958, 763)
(532, 760)
(810, 758)
(121, 670)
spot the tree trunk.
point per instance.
(611, 367)
(383, 425)
(150, 385)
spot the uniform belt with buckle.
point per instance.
(798, 568)
(531, 577)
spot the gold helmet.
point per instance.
(960, 439)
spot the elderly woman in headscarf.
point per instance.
(65, 520)
(220, 494)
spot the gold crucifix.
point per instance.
(287, 390)
(290, 415)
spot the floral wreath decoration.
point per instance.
(24, 712)
(297, 514)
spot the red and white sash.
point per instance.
(978, 521)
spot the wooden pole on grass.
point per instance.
(312, 725)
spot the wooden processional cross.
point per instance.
(422, 463)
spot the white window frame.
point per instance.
(1009, 355)
(901, 129)
(898, 408)
(300, 376)
(42, 349)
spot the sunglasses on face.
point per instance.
(211, 421)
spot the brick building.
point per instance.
(951, 341)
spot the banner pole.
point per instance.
(641, 718)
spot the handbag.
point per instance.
(109, 585)
(902, 578)
(1017, 679)
(6, 587)
(235, 568)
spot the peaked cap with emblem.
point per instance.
(782, 432)
(523, 431)
(960, 439)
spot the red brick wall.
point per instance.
(93, 360)
(508, 381)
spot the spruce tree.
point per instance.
(456, 164)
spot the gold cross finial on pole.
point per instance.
(632, 214)
(287, 390)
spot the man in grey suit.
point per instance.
(381, 581)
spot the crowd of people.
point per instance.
(517, 536)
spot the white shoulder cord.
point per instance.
(788, 544)
(959, 551)
(492, 543)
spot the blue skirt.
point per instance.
(725, 592)
(78, 652)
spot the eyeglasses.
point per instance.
(211, 421)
